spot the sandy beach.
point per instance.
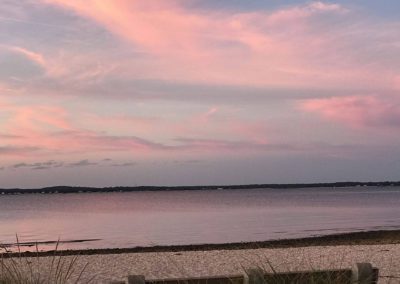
(381, 248)
(107, 267)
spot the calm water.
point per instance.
(193, 217)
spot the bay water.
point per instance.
(149, 218)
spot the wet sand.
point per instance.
(355, 238)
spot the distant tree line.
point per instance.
(77, 189)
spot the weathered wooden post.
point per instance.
(254, 276)
(364, 273)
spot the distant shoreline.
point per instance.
(78, 189)
(354, 238)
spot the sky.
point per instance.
(198, 92)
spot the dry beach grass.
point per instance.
(15, 268)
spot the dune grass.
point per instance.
(33, 270)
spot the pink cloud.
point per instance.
(358, 111)
(156, 25)
(283, 47)
(297, 15)
(16, 151)
(204, 118)
(214, 121)
(31, 55)
(326, 7)
(51, 131)
(36, 117)
(396, 82)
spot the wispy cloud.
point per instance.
(305, 45)
(39, 166)
(228, 145)
(10, 136)
(82, 163)
(358, 111)
(126, 164)
(31, 55)
(17, 151)
(53, 164)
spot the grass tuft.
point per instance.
(37, 270)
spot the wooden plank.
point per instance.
(232, 279)
(362, 274)
(315, 277)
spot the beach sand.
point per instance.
(107, 267)
(381, 248)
